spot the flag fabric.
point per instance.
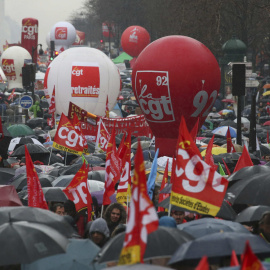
(250, 260)
(152, 177)
(226, 167)
(194, 130)
(35, 193)
(163, 196)
(208, 156)
(234, 260)
(11, 95)
(142, 216)
(48, 138)
(221, 171)
(230, 147)
(52, 108)
(109, 176)
(50, 121)
(67, 138)
(197, 186)
(123, 190)
(243, 161)
(103, 138)
(107, 111)
(203, 264)
(77, 190)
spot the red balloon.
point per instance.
(175, 76)
(134, 39)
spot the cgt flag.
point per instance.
(197, 186)
(142, 217)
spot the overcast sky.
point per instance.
(47, 12)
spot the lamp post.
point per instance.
(40, 52)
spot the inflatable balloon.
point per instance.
(175, 76)
(85, 77)
(108, 29)
(12, 61)
(134, 39)
(63, 34)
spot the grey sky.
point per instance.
(47, 12)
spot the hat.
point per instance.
(214, 109)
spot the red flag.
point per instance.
(250, 260)
(35, 193)
(197, 186)
(163, 196)
(103, 137)
(226, 167)
(52, 108)
(243, 161)
(234, 260)
(109, 176)
(77, 190)
(107, 111)
(194, 130)
(11, 95)
(142, 217)
(230, 147)
(203, 264)
(267, 137)
(208, 156)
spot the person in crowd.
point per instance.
(99, 232)
(264, 227)
(58, 208)
(35, 109)
(214, 114)
(178, 216)
(166, 221)
(114, 215)
(119, 228)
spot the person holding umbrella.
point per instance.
(264, 227)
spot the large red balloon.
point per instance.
(175, 76)
(134, 39)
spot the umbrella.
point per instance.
(99, 196)
(131, 103)
(161, 243)
(20, 130)
(79, 255)
(36, 122)
(5, 175)
(63, 180)
(218, 245)
(215, 151)
(223, 131)
(96, 186)
(138, 267)
(265, 150)
(252, 191)
(252, 214)
(205, 226)
(267, 93)
(19, 141)
(9, 196)
(265, 264)
(34, 149)
(237, 147)
(92, 160)
(20, 248)
(248, 172)
(72, 169)
(4, 143)
(230, 123)
(267, 123)
(225, 111)
(36, 215)
(97, 175)
(144, 145)
(228, 100)
(266, 86)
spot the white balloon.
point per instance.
(63, 34)
(12, 61)
(84, 76)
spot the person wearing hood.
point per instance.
(99, 232)
(35, 109)
(114, 215)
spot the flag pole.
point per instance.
(169, 210)
(102, 208)
(50, 157)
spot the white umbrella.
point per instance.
(22, 141)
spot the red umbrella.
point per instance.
(267, 123)
(228, 100)
(9, 196)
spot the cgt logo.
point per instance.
(71, 137)
(30, 29)
(76, 71)
(152, 89)
(8, 67)
(61, 33)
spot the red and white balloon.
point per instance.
(175, 76)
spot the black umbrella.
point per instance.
(72, 169)
(253, 191)
(216, 246)
(36, 122)
(264, 150)
(205, 226)
(36, 215)
(160, 243)
(131, 103)
(4, 142)
(252, 214)
(100, 155)
(229, 123)
(92, 160)
(20, 248)
(62, 180)
(33, 149)
(97, 175)
(5, 175)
